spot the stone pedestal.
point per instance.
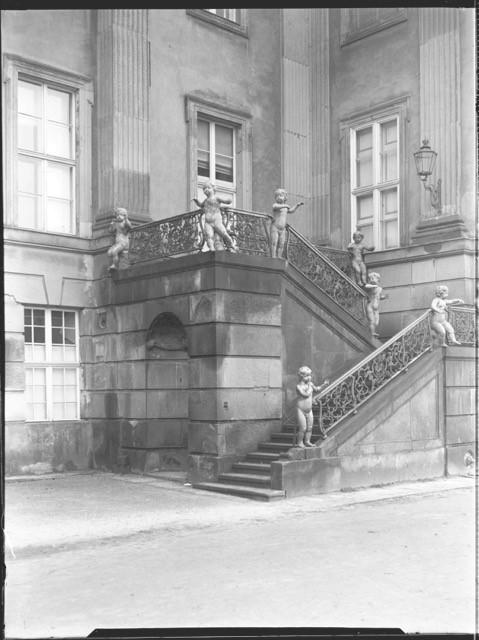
(439, 228)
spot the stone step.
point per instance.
(261, 456)
(274, 447)
(284, 437)
(242, 491)
(252, 479)
(252, 467)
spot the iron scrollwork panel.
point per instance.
(249, 232)
(318, 271)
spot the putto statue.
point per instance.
(213, 220)
(304, 406)
(121, 227)
(374, 294)
(278, 224)
(356, 250)
(439, 323)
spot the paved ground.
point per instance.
(102, 550)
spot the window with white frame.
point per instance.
(216, 157)
(375, 182)
(45, 157)
(52, 366)
(234, 15)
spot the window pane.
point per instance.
(224, 169)
(38, 353)
(29, 211)
(27, 315)
(58, 216)
(364, 157)
(58, 140)
(57, 353)
(389, 169)
(29, 133)
(390, 234)
(29, 175)
(39, 377)
(71, 377)
(39, 317)
(367, 231)
(70, 394)
(39, 335)
(58, 413)
(203, 135)
(69, 353)
(69, 318)
(58, 106)
(57, 335)
(28, 334)
(30, 98)
(203, 163)
(57, 318)
(364, 207)
(389, 203)
(58, 181)
(69, 336)
(224, 140)
(70, 411)
(39, 412)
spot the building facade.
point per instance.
(139, 109)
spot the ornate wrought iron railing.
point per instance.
(183, 235)
(463, 319)
(167, 238)
(339, 257)
(349, 391)
(317, 268)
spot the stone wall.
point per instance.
(460, 407)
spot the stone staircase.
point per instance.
(251, 477)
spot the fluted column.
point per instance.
(439, 99)
(123, 112)
(320, 128)
(440, 108)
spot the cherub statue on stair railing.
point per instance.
(356, 251)
(278, 224)
(374, 294)
(439, 322)
(121, 227)
(304, 406)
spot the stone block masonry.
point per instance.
(185, 362)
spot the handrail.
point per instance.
(463, 319)
(323, 273)
(353, 388)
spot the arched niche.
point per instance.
(166, 337)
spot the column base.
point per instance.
(439, 228)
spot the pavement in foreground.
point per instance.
(103, 550)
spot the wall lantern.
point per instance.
(425, 160)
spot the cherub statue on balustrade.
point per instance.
(213, 220)
(439, 322)
(304, 406)
(374, 294)
(356, 250)
(277, 234)
(121, 227)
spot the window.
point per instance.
(45, 157)
(47, 169)
(375, 182)
(361, 22)
(219, 140)
(233, 15)
(51, 364)
(233, 20)
(216, 157)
